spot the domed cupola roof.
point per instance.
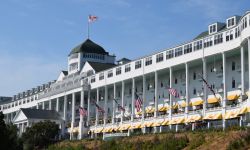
(89, 47)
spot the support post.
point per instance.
(133, 100)
(224, 89)
(156, 94)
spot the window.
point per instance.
(218, 38)
(194, 91)
(110, 73)
(92, 80)
(212, 28)
(169, 54)
(233, 83)
(229, 35)
(230, 22)
(244, 23)
(208, 42)
(178, 52)
(237, 32)
(233, 66)
(118, 70)
(197, 45)
(148, 61)
(194, 76)
(101, 76)
(159, 57)
(138, 64)
(127, 68)
(175, 81)
(187, 48)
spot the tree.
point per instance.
(40, 135)
(8, 136)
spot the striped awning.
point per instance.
(139, 113)
(215, 116)
(213, 100)
(177, 120)
(165, 122)
(163, 108)
(244, 110)
(233, 97)
(98, 130)
(148, 124)
(196, 102)
(194, 118)
(124, 127)
(150, 110)
(157, 123)
(231, 114)
(136, 126)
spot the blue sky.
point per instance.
(37, 35)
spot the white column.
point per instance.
(133, 100)
(57, 104)
(22, 127)
(81, 117)
(105, 104)
(43, 105)
(204, 67)
(72, 115)
(242, 72)
(123, 89)
(50, 104)
(88, 117)
(156, 94)
(171, 97)
(143, 96)
(65, 108)
(187, 87)
(97, 101)
(224, 89)
(113, 112)
(248, 47)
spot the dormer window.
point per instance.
(212, 28)
(230, 22)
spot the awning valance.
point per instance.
(231, 114)
(213, 116)
(233, 97)
(244, 110)
(193, 119)
(177, 120)
(136, 126)
(165, 122)
(213, 100)
(157, 123)
(150, 110)
(196, 102)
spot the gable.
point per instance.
(20, 116)
(87, 67)
(60, 78)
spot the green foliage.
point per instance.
(8, 136)
(40, 135)
(197, 140)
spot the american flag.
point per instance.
(138, 102)
(100, 109)
(208, 86)
(82, 111)
(119, 106)
(173, 92)
(92, 18)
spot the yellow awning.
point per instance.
(175, 106)
(243, 110)
(180, 104)
(98, 130)
(157, 123)
(196, 103)
(139, 113)
(165, 122)
(183, 104)
(177, 121)
(150, 110)
(136, 126)
(231, 114)
(193, 119)
(148, 124)
(232, 97)
(163, 108)
(213, 116)
(212, 100)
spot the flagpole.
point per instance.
(88, 28)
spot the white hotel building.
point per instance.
(220, 54)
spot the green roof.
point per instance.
(201, 35)
(89, 46)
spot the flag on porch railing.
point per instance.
(120, 108)
(208, 86)
(138, 102)
(83, 112)
(173, 92)
(100, 109)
